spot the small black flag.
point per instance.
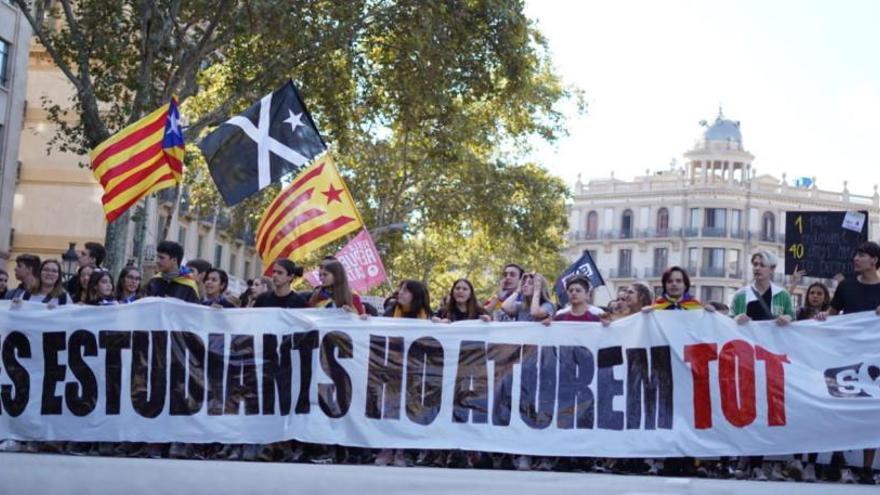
(272, 138)
(585, 267)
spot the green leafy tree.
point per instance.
(428, 105)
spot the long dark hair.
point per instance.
(826, 300)
(92, 296)
(421, 300)
(120, 283)
(340, 292)
(474, 308)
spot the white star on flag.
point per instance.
(295, 120)
(175, 125)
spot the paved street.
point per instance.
(25, 474)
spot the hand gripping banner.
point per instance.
(668, 383)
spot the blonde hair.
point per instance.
(767, 258)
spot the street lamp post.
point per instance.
(69, 260)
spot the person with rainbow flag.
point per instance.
(676, 291)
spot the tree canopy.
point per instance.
(429, 106)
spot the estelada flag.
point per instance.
(144, 157)
(315, 209)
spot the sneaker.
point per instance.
(653, 468)
(776, 473)
(523, 463)
(324, 457)
(400, 458)
(795, 470)
(866, 476)
(78, 448)
(250, 451)
(154, 450)
(10, 446)
(847, 477)
(758, 474)
(810, 473)
(545, 464)
(179, 451)
(266, 453)
(384, 457)
(424, 458)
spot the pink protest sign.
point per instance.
(362, 263)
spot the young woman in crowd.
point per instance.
(4, 284)
(461, 304)
(216, 282)
(48, 289)
(818, 299)
(634, 298)
(128, 285)
(260, 286)
(531, 300)
(83, 273)
(413, 301)
(99, 289)
(334, 291)
(578, 290)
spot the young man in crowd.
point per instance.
(92, 254)
(198, 269)
(27, 266)
(676, 291)
(510, 276)
(283, 274)
(169, 282)
(853, 295)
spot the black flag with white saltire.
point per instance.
(586, 267)
(272, 138)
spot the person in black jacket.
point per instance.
(171, 281)
(92, 254)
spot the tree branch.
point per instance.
(47, 43)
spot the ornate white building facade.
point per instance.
(707, 217)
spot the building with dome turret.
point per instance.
(707, 216)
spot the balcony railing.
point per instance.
(714, 232)
(625, 272)
(690, 232)
(654, 272)
(712, 271)
(738, 234)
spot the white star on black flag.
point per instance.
(272, 138)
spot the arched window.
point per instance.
(592, 225)
(662, 222)
(768, 227)
(626, 224)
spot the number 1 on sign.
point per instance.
(799, 221)
(797, 250)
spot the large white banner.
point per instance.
(668, 383)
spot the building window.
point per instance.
(662, 222)
(233, 263)
(594, 255)
(709, 293)
(181, 236)
(218, 255)
(695, 218)
(4, 62)
(592, 225)
(713, 262)
(768, 227)
(736, 223)
(247, 269)
(200, 247)
(624, 263)
(733, 268)
(693, 259)
(661, 261)
(626, 224)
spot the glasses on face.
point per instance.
(133, 278)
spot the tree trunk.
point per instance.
(116, 238)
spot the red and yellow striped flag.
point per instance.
(309, 213)
(144, 157)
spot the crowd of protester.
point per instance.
(521, 296)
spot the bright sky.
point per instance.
(803, 77)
